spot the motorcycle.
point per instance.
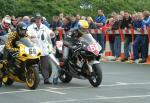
(83, 61)
(23, 66)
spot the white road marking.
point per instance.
(111, 85)
(26, 90)
(68, 88)
(98, 98)
(61, 101)
(121, 83)
(51, 89)
(57, 92)
(112, 73)
(19, 91)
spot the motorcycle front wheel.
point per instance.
(7, 81)
(96, 78)
(64, 77)
(32, 77)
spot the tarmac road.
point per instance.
(122, 83)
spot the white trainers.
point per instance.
(136, 61)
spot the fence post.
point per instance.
(122, 55)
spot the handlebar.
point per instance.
(15, 54)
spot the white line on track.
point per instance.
(54, 92)
(111, 85)
(52, 89)
(98, 98)
(26, 90)
(18, 91)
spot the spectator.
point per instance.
(78, 17)
(40, 35)
(66, 23)
(133, 19)
(100, 21)
(109, 24)
(92, 26)
(74, 22)
(14, 23)
(5, 26)
(56, 23)
(146, 19)
(126, 24)
(61, 16)
(139, 40)
(45, 22)
(122, 14)
(83, 17)
(32, 20)
(26, 20)
(117, 40)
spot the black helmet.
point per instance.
(21, 29)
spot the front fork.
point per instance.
(90, 66)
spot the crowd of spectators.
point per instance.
(122, 20)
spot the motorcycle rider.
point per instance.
(10, 45)
(71, 40)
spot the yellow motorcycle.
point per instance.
(23, 66)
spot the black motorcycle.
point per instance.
(83, 61)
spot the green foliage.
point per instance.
(49, 8)
(8, 7)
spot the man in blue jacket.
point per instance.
(100, 21)
(140, 39)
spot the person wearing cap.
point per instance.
(41, 36)
(5, 26)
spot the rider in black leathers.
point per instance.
(71, 40)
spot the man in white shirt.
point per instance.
(41, 36)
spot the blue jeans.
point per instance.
(112, 48)
(127, 42)
(101, 41)
(117, 45)
(140, 39)
(94, 36)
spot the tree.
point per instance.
(48, 8)
(8, 7)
